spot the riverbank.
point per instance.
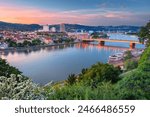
(121, 62)
(34, 47)
(121, 56)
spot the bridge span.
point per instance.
(102, 41)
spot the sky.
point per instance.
(86, 12)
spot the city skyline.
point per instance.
(86, 12)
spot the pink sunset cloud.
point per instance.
(29, 15)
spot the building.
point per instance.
(47, 40)
(53, 29)
(62, 27)
(46, 28)
(3, 45)
(79, 35)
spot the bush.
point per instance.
(17, 88)
(71, 79)
(135, 85)
(144, 34)
(145, 67)
(128, 55)
(99, 73)
(81, 92)
(145, 56)
(130, 65)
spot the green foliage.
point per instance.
(144, 34)
(6, 69)
(19, 88)
(95, 35)
(93, 83)
(128, 55)
(100, 72)
(135, 85)
(145, 67)
(71, 79)
(11, 43)
(81, 92)
(15, 86)
(145, 56)
(36, 42)
(130, 64)
(26, 43)
(20, 45)
(104, 36)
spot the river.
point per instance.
(55, 63)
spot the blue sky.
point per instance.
(89, 12)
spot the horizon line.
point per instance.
(66, 24)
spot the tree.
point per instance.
(145, 56)
(95, 35)
(130, 64)
(20, 45)
(27, 43)
(128, 55)
(145, 67)
(100, 72)
(144, 34)
(36, 42)
(6, 69)
(71, 79)
(11, 43)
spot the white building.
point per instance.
(46, 28)
(53, 29)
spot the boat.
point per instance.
(116, 57)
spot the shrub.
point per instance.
(130, 64)
(71, 79)
(128, 55)
(81, 92)
(145, 56)
(100, 72)
(17, 88)
(135, 85)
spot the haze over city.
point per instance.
(87, 12)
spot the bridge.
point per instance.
(102, 41)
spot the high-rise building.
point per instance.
(46, 28)
(53, 29)
(62, 27)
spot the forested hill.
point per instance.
(19, 27)
(69, 27)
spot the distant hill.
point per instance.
(69, 27)
(19, 27)
(76, 27)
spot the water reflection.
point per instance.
(57, 62)
(27, 51)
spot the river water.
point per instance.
(55, 63)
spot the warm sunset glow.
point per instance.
(44, 14)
